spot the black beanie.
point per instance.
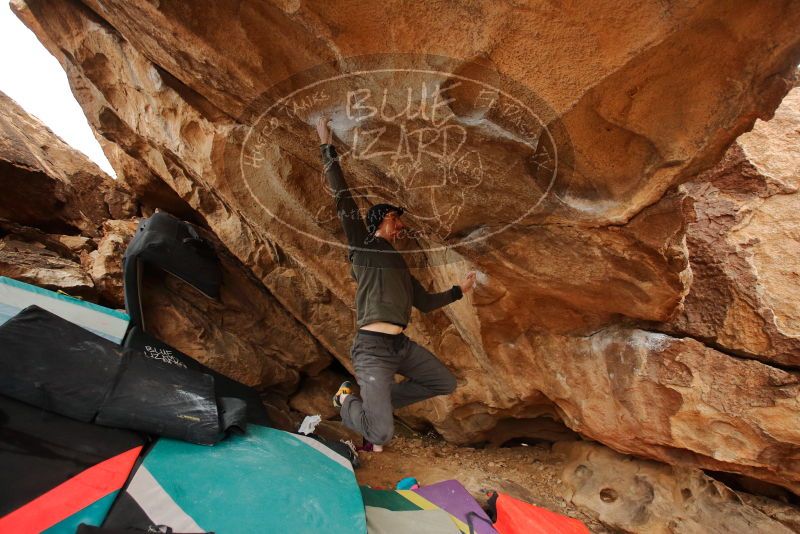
(376, 214)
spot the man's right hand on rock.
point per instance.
(324, 132)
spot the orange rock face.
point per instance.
(247, 335)
(640, 496)
(54, 205)
(744, 243)
(547, 156)
(48, 184)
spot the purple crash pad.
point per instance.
(454, 498)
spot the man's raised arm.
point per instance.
(346, 208)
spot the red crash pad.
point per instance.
(518, 517)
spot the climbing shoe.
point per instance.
(368, 446)
(345, 389)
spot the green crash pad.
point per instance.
(265, 481)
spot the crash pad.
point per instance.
(461, 513)
(105, 322)
(174, 246)
(519, 517)
(383, 521)
(264, 481)
(54, 364)
(156, 349)
(454, 498)
(55, 472)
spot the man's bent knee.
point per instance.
(380, 433)
(448, 384)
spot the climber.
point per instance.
(386, 291)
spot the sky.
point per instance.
(36, 81)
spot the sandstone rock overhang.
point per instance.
(648, 95)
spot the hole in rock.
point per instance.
(529, 431)
(583, 472)
(608, 495)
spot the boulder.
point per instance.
(552, 170)
(744, 241)
(246, 335)
(104, 264)
(314, 395)
(675, 400)
(48, 184)
(635, 495)
(34, 263)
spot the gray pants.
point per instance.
(376, 359)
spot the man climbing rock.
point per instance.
(386, 292)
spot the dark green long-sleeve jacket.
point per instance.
(386, 289)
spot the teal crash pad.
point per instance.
(264, 481)
(105, 322)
